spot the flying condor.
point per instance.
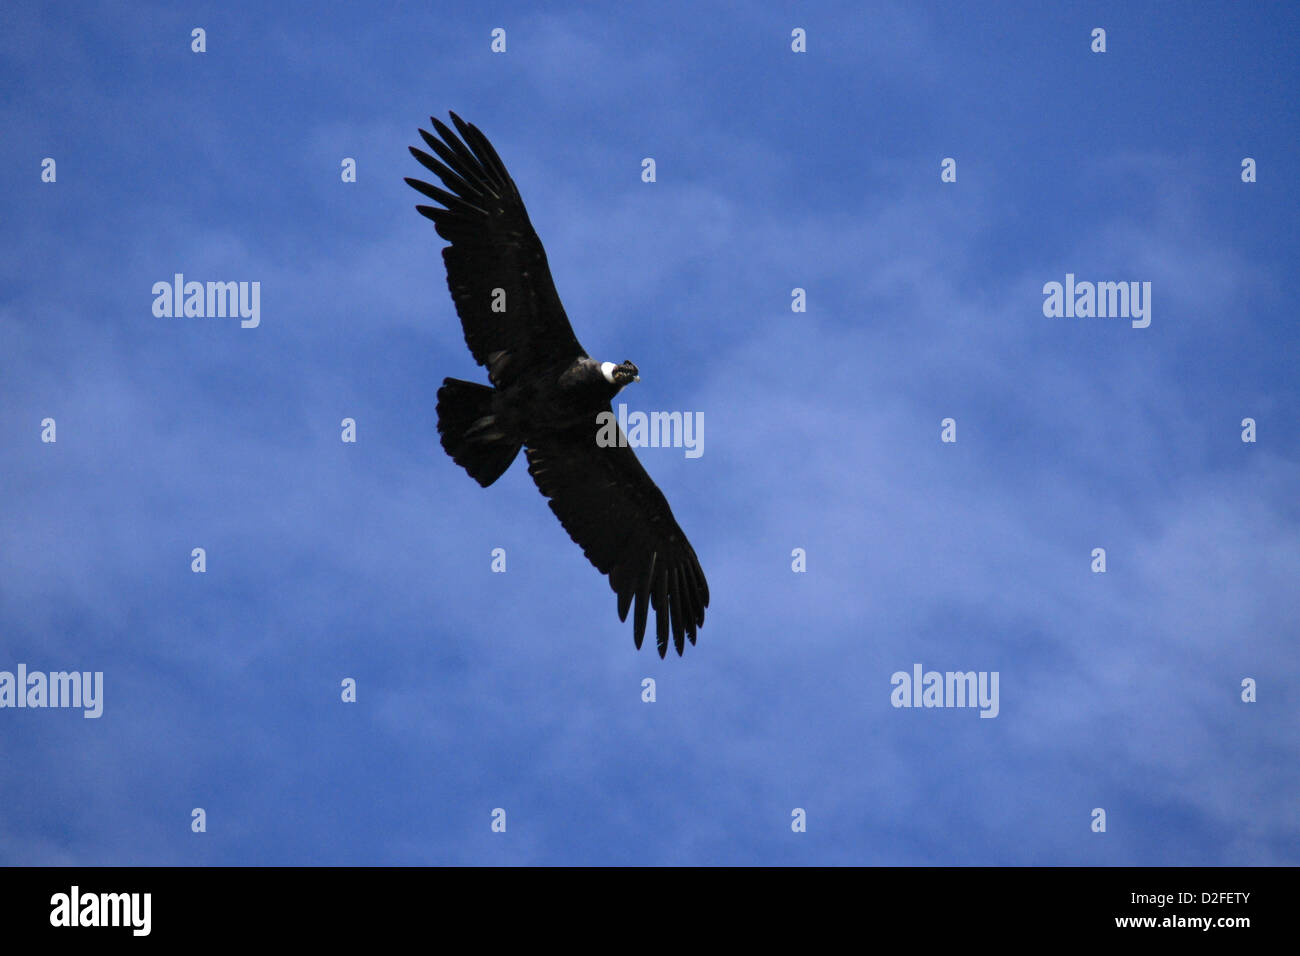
(546, 392)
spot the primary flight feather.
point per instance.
(547, 392)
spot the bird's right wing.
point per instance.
(496, 266)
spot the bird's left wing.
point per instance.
(496, 266)
(618, 516)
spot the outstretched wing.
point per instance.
(622, 522)
(496, 266)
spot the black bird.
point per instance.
(547, 392)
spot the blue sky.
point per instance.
(521, 690)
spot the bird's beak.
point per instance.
(636, 378)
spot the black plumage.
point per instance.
(546, 392)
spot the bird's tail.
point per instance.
(470, 432)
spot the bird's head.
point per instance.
(620, 375)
